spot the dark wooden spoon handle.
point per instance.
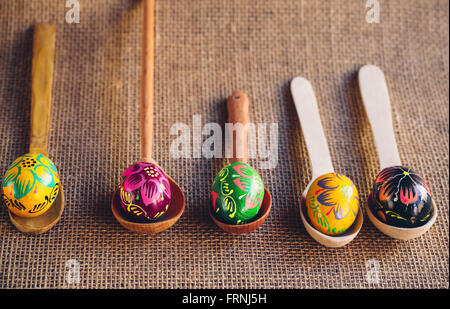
(238, 113)
(147, 80)
(41, 86)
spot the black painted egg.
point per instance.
(401, 198)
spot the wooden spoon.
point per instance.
(177, 202)
(375, 97)
(308, 113)
(41, 88)
(238, 110)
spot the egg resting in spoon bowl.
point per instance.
(31, 185)
(237, 194)
(401, 198)
(332, 203)
(144, 192)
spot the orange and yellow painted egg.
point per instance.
(31, 185)
(332, 202)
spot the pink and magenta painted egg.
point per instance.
(144, 192)
(401, 198)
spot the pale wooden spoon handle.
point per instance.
(308, 113)
(238, 112)
(41, 86)
(375, 96)
(147, 80)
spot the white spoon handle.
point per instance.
(308, 113)
(375, 96)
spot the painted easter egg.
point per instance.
(236, 194)
(401, 198)
(332, 203)
(31, 185)
(144, 192)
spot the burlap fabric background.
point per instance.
(204, 50)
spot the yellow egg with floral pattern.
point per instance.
(332, 203)
(31, 185)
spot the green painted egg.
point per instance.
(237, 194)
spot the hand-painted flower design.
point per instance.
(30, 185)
(332, 203)
(237, 193)
(249, 182)
(145, 191)
(400, 197)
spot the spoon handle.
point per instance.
(238, 106)
(147, 80)
(308, 113)
(375, 97)
(41, 86)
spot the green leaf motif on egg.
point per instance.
(237, 194)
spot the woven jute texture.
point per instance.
(205, 49)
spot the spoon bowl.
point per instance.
(174, 212)
(42, 223)
(251, 226)
(399, 232)
(327, 240)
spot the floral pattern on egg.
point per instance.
(401, 198)
(237, 194)
(31, 185)
(145, 192)
(332, 203)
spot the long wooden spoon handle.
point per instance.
(41, 86)
(308, 113)
(147, 80)
(375, 96)
(238, 106)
